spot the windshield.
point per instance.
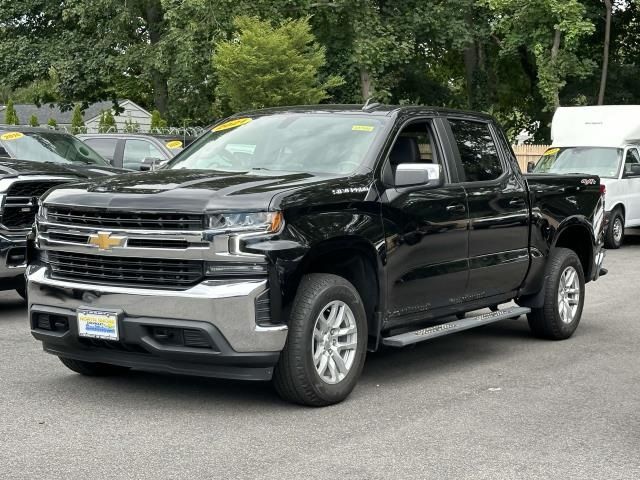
(604, 162)
(313, 143)
(49, 147)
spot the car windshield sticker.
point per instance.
(11, 136)
(551, 151)
(231, 124)
(362, 128)
(174, 144)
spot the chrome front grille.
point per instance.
(105, 219)
(21, 203)
(125, 271)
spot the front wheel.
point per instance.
(614, 234)
(560, 315)
(327, 342)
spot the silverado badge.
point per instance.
(106, 241)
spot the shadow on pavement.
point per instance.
(439, 356)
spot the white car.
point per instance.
(603, 141)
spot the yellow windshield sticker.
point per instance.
(362, 128)
(174, 144)
(551, 151)
(11, 136)
(231, 124)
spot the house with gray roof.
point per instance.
(130, 112)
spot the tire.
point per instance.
(93, 369)
(552, 321)
(297, 377)
(22, 291)
(614, 236)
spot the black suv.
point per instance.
(33, 160)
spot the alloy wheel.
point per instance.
(568, 294)
(335, 341)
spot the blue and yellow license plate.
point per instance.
(98, 324)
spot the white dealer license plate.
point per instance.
(98, 324)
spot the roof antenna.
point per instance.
(369, 106)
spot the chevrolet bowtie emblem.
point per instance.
(106, 241)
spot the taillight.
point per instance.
(603, 190)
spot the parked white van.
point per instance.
(603, 141)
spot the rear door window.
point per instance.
(106, 147)
(478, 151)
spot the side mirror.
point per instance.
(531, 166)
(415, 174)
(149, 164)
(632, 170)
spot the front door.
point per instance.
(426, 235)
(630, 186)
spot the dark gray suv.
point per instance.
(134, 151)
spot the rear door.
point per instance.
(498, 208)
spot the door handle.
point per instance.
(516, 202)
(457, 208)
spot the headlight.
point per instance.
(267, 222)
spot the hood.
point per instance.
(189, 191)
(12, 168)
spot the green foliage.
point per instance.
(107, 124)
(157, 122)
(551, 32)
(131, 127)
(33, 121)
(77, 122)
(10, 115)
(266, 66)
(496, 56)
(52, 122)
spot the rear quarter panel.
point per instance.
(559, 202)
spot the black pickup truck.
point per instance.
(32, 160)
(286, 243)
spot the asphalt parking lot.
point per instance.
(484, 404)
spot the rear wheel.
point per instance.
(93, 369)
(326, 346)
(560, 315)
(614, 235)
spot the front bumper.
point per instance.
(13, 248)
(222, 313)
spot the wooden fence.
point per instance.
(528, 153)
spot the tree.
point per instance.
(107, 123)
(548, 31)
(52, 123)
(266, 66)
(77, 122)
(157, 122)
(605, 55)
(10, 115)
(131, 127)
(33, 121)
